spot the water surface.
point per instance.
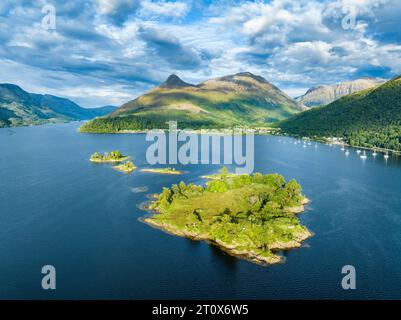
(58, 208)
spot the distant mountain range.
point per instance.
(20, 108)
(326, 94)
(239, 99)
(369, 118)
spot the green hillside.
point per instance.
(240, 99)
(370, 118)
(21, 108)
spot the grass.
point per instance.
(248, 216)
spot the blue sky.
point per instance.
(110, 51)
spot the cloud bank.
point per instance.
(109, 51)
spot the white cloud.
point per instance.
(365, 8)
(110, 94)
(111, 6)
(312, 53)
(155, 9)
(106, 49)
(117, 11)
(303, 41)
(87, 91)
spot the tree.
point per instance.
(241, 180)
(217, 186)
(175, 190)
(183, 189)
(129, 165)
(293, 189)
(275, 180)
(224, 172)
(271, 210)
(257, 178)
(96, 155)
(116, 154)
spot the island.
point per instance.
(126, 167)
(114, 156)
(248, 216)
(162, 170)
(224, 173)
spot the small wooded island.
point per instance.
(163, 171)
(249, 216)
(114, 156)
(126, 167)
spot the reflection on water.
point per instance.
(229, 261)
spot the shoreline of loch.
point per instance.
(330, 141)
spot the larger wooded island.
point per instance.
(249, 216)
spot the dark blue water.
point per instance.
(57, 208)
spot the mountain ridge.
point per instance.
(173, 81)
(20, 108)
(237, 99)
(369, 118)
(325, 94)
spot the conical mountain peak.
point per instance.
(173, 81)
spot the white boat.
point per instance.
(374, 153)
(386, 156)
(347, 153)
(342, 148)
(358, 151)
(364, 156)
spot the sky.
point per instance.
(107, 52)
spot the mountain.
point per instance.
(369, 118)
(239, 99)
(19, 108)
(101, 111)
(326, 94)
(173, 81)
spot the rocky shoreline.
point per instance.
(109, 160)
